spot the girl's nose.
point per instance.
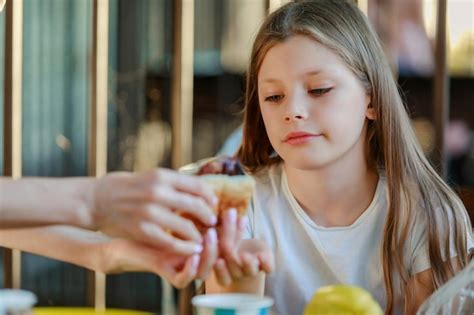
(296, 110)
(293, 116)
(297, 105)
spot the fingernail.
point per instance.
(213, 220)
(212, 235)
(256, 265)
(214, 200)
(198, 248)
(233, 215)
(195, 261)
(220, 263)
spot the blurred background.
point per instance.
(57, 39)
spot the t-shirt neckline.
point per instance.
(300, 211)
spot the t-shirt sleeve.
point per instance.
(418, 244)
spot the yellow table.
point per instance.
(83, 311)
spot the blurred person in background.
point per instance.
(460, 151)
(400, 26)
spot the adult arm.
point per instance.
(40, 201)
(96, 251)
(146, 207)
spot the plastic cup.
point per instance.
(16, 302)
(231, 304)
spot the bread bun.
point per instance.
(230, 183)
(232, 191)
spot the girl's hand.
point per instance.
(251, 257)
(147, 207)
(240, 258)
(122, 255)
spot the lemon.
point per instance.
(342, 300)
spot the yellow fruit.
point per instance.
(342, 300)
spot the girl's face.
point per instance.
(313, 106)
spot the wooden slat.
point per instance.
(182, 110)
(441, 90)
(275, 4)
(98, 109)
(182, 82)
(363, 6)
(98, 124)
(12, 119)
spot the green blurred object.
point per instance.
(342, 300)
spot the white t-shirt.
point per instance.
(309, 256)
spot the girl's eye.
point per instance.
(319, 92)
(273, 98)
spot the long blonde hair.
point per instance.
(414, 187)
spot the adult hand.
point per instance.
(122, 255)
(148, 207)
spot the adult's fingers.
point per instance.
(187, 274)
(168, 197)
(189, 184)
(152, 234)
(209, 254)
(222, 273)
(172, 222)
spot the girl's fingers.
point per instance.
(222, 273)
(228, 234)
(187, 274)
(241, 226)
(229, 245)
(250, 265)
(209, 254)
(235, 269)
(267, 261)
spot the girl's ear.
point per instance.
(370, 113)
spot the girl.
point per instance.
(344, 193)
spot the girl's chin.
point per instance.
(307, 164)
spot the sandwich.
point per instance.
(231, 185)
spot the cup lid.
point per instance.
(16, 300)
(232, 301)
